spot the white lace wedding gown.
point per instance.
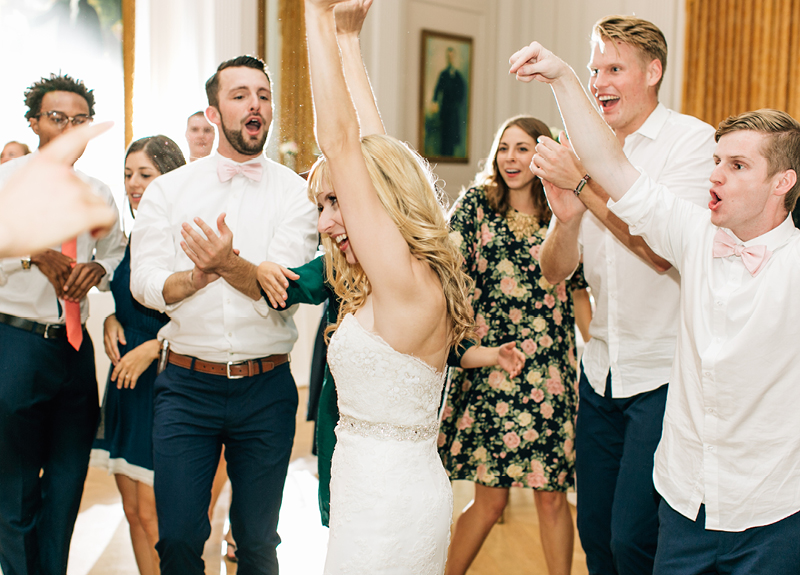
(391, 501)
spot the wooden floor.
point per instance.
(101, 544)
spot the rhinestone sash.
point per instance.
(387, 431)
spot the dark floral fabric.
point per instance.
(498, 431)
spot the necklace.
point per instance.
(521, 224)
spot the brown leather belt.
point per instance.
(231, 370)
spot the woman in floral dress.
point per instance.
(497, 431)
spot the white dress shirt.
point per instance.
(636, 317)
(271, 220)
(731, 434)
(28, 293)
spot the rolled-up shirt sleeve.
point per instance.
(152, 251)
(664, 220)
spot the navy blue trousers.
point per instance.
(686, 547)
(615, 440)
(195, 414)
(48, 417)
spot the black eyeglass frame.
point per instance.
(62, 123)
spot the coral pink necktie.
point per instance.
(72, 310)
(753, 257)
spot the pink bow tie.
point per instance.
(753, 257)
(227, 169)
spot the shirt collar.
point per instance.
(773, 239)
(260, 159)
(654, 122)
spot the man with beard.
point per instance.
(227, 379)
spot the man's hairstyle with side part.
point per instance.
(641, 34)
(781, 146)
(212, 85)
(55, 83)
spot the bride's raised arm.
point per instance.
(376, 241)
(350, 16)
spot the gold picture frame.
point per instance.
(445, 97)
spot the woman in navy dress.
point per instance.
(124, 444)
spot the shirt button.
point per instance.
(230, 334)
(707, 373)
(719, 303)
(710, 411)
(710, 448)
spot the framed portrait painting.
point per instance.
(444, 100)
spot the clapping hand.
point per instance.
(210, 253)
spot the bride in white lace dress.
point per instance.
(404, 303)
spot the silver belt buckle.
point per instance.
(46, 333)
(229, 364)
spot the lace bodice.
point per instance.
(391, 501)
(384, 386)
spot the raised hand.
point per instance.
(211, 253)
(511, 359)
(561, 171)
(323, 4)
(534, 62)
(350, 16)
(557, 163)
(273, 280)
(113, 335)
(45, 203)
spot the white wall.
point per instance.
(391, 45)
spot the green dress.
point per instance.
(500, 431)
(311, 288)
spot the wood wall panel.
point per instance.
(741, 55)
(297, 114)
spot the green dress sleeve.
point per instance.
(309, 288)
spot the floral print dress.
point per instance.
(495, 430)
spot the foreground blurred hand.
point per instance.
(45, 202)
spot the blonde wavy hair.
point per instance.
(406, 189)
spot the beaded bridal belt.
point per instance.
(387, 431)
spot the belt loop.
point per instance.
(250, 369)
(191, 367)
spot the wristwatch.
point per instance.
(26, 263)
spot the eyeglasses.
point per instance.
(60, 119)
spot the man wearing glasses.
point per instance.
(48, 388)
